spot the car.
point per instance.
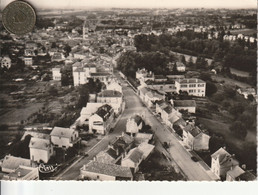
(86, 154)
(165, 145)
(111, 130)
(194, 159)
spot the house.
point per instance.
(29, 52)
(233, 173)
(95, 170)
(169, 112)
(110, 96)
(222, 162)
(194, 87)
(56, 72)
(180, 67)
(64, 137)
(40, 149)
(104, 77)
(146, 149)
(246, 176)
(188, 105)
(247, 91)
(101, 121)
(143, 75)
(113, 85)
(133, 159)
(57, 57)
(23, 173)
(194, 138)
(152, 96)
(109, 156)
(160, 105)
(11, 163)
(134, 124)
(160, 78)
(6, 62)
(162, 86)
(119, 147)
(143, 138)
(28, 61)
(87, 111)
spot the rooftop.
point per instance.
(38, 143)
(108, 169)
(104, 111)
(235, 171)
(134, 155)
(110, 93)
(191, 81)
(62, 132)
(12, 162)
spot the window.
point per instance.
(192, 85)
(200, 85)
(190, 91)
(161, 87)
(183, 86)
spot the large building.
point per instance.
(194, 87)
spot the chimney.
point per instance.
(84, 167)
(19, 174)
(117, 152)
(94, 159)
(123, 133)
(224, 148)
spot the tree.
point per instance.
(216, 142)
(210, 88)
(238, 129)
(52, 91)
(205, 76)
(183, 59)
(21, 148)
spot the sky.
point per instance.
(80, 4)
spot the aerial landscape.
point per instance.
(135, 94)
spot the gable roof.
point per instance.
(224, 157)
(12, 162)
(90, 108)
(137, 119)
(235, 172)
(246, 176)
(104, 111)
(37, 143)
(168, 109)
(62, 132)
(146, 149)
(110, 93)
(134, 155)
(108, 169)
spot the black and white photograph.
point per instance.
(109, 90)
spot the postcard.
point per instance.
(128, 90)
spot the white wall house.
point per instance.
(28, 61)
(101, 120)
(134, 124)
(40, 149)
(189, 105)
(222, 162)
(56, 73)
(114, 86)
(194, 87)
(23, 173)
(95, 170)
(64, 137)
(6, 62)
(133, 159)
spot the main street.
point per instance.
(193, 170)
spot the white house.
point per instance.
(11, 163)
(28, 61)
(146, 149)
(188, 105)
(133, 159)
(81, 73)
(56, 73)
(247, 91)
(95, 170)
(87, 111)
(180, 67)
(23, 173)
(222, 162)
(101, 120)
(114, 86)
(194, 87)
(143, 75)
(40, 149)
(64, 137)
(6, 62)
(195, 139)
(233, 173)
(134, 124)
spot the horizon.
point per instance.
(139, 4)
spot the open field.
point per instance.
(239, 72)
(230, 82)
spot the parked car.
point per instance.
(194, 159)
(165, 145)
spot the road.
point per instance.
(193, 170)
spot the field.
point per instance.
(239, 72)
(248, 32)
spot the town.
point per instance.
(130, 94)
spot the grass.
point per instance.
(239, 72)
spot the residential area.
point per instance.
(130, 94)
